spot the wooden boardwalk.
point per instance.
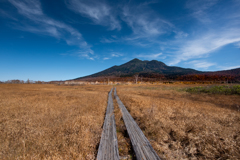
(141, 146)
(108, 148)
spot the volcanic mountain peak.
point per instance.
(152, 68)
(137, 66)
(135, 60)
(138, 61)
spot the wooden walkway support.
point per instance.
(108, 148)
(141, 146)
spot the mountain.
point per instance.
(144, 68)
(154, 69)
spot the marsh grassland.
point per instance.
(182, 125)
(51, 122)
(40, 121)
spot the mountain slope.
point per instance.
(233, 72)
(137, 66)
(157, 70)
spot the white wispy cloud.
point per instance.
(200, 64)
(205, 44)
(215, 35)
(106, 58)
(109, 40)
(88, 54)
(42, 24)
(149, 56)
(113, 55)
(228, 67)
(98, 11)
(180, 34)
(237, 44)
(144, 22)
(116, 54)
(199, 9)
(7, 15)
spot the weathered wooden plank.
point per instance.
(108, 148)
(141, 146)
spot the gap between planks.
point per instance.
(141, 146)
(108, 148)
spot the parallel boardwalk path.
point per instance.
(108, 148)
(141, 146)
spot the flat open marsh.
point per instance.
(43, 121)
(181, 125)
(50, 121)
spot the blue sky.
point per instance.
(65, 39)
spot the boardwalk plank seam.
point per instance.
(108, 148)
(141, 146)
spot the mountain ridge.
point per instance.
(152, 68)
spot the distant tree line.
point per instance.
(145, 77)
(17, 81)
(226, 78)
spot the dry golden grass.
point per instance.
(65, 122)
(51, 122)
(181, 125)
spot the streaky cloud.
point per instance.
(106, 58)
(116, 54)
(201, 64)
(215, 35)
(48, 26)
(145, 24)
(199, 9)
(149, 56)
(113, 55)
(99, 12)
(6, 15)
(228, 67)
